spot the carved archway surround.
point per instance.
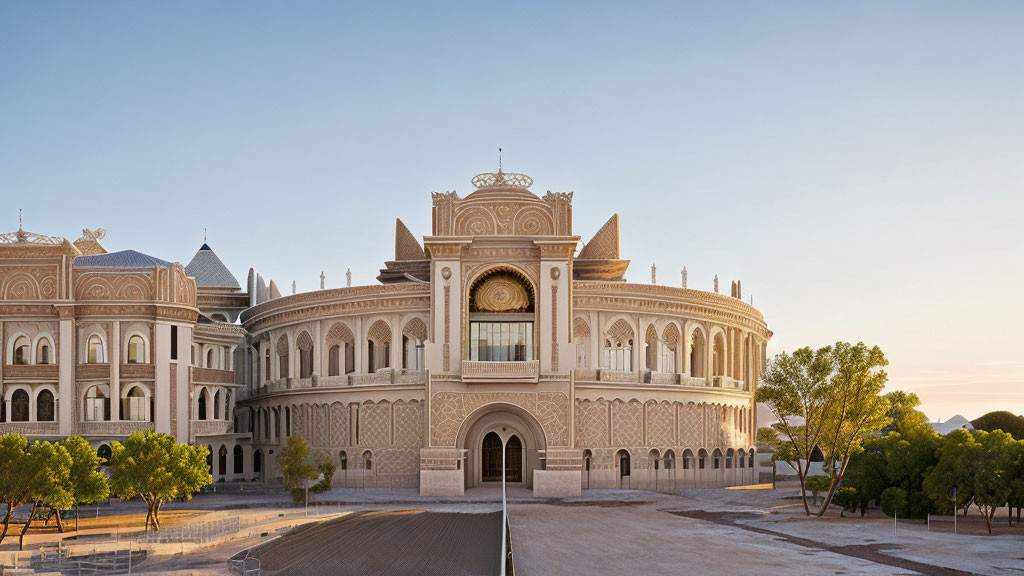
(529, 275)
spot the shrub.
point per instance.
(894, 500)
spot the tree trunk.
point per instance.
(156, 513)
(24, 529)
(60, 521)
(7, 521)
(988, 518)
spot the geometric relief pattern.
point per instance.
(553, 413)
(339, 424)
(299, 421)
(592, 423)
(320, 428)
(660, 424)
(28, 282)
(408, 424)
(449, 411)
(627, 423)
(375, 424)
(690, 423)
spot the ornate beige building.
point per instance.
(496, 336)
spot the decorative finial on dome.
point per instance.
(499, 160)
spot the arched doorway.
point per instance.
(622, 460)
(486, 431)
(490, 458)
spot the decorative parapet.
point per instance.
(138, 371)
(382, 376)
(122, 428)
(618, 376)
(30, 428)
(664, 378)
(528, 371)
(586, 375)
(38, 371)
(89, 371)
(210, 427)
(441, 458)
(696, 382)
(407, 376)
(563, 459)
(212, 376)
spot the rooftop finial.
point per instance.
(19, 209)
(348, 278)
(499, 160)
(204, 235)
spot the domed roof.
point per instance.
(120, 259)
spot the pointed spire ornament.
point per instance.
(716, 283)
(739, 289)
(322, 277)
(348, 278)
(654, 274)
(293, 286)
(684, 276)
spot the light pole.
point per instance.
(504, 511)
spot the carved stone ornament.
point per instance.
(446, 273)
(556, 273)
(501, 293)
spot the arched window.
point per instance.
(670, 460)
(334, 361)
(257, 462)
(104, 453)
(501, 315)
(702, 457)
(202, 404)
(305, 345)
(238, 464)
(95, 350)
(414, 337)
(44, 406)
(136, 349)
(622, 459)
(282, 356)
(211, 358)
(717, 459)
(343, 460)
(729, 455)
(687, 459)
(651, 346)
(587, 457)
(378, 344)
(218, 397)
(19, 406)
(697, 354)
(741, 459)
(618, 347)
(368, 460)
(44, 351)
(718, 354)
(287, 421)
(136, 405)
(21, 351)
(655, 458)
(97, 405)
(222, 460)
(581, 335)
(750, 457)
(668, 345)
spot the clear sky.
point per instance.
(860, 166)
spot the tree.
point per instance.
(50, 485)
(866, 473)
(1001, 420)
(894, 501)
(992, 478)
(903, 412)
(295, 470)
(156, 468)
(88, 484)
(826, 399)
(793, 388)
(846, 497)
(817, 484)
(17, 475)
(326, 469)
(957, 466)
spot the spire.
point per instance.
(654, 274)
(716, 283)
(499, 160)
(293, 286)
(348, 278)
(322, 278)
(684, 276)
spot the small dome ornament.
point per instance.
(502, 179)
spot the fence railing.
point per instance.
(195, 533)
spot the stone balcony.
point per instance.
(37, 372)
(210, 427)
(107, 428)
(212, 376)
(30, 428)
(728, 382)
(480, 371)
(138, 371)
(91, 371)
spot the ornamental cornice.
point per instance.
(333, 296)
(648, 298)
(385, 298)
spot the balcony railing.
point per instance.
(210, 427)
(212, 376)
(40, 371)
(29, 428)
(138, 371)
(87, 371)
(480, 371)
(106, 428)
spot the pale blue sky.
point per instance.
(858, 166)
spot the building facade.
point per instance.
(497, 339)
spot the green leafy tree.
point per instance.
(903, 413)
(51, 485)
(326, 469)
(1016, 478)
(1001, 420)
(866, 474)
(295, 470)
(157, 468)
(18, 471)
(958, 464)
(846, 497)
(817, 485)
(88, 484)
(827, 399)
(992, 487)
(894, 501)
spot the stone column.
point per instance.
(319, 366)
(65, 377)
(183, 384)
(360, 351)
(162, 392)
(115, 371)
(596, 341)
(396, 342)
(639, 339)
